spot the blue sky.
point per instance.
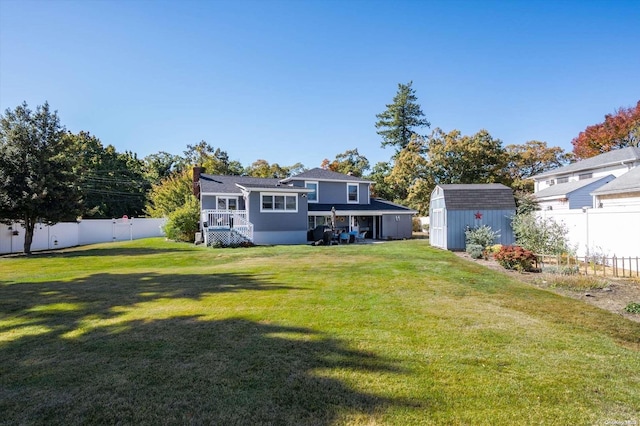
(300, 81)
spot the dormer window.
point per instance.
(352, 193)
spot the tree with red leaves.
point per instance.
(619, 130)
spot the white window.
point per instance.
(312, 196)
(563, 180)
(585, 176)
(352, 192)
(279, 203)
(227, 203)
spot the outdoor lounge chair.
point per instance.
(360, 237)
(344, 237)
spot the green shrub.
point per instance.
(633, 308)
(475, 250)
(483, 236)
(182, 223)
(515, 257)
(540, 235)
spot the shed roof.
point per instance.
(603, 160)
(492, 196)
(628, 182)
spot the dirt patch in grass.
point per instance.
(611, 294)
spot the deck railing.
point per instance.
(228, 219)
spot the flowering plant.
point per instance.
(515, 257)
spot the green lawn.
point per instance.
(152, 332)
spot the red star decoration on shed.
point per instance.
(478, 215)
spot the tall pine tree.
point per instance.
(401, 119)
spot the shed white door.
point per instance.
(437, 231)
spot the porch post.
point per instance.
(375, 221)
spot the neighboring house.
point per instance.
(457, 207)
(623, 191)
(571, 195)
(282, 211)
(593, 173)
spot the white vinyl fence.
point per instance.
(86, 231)
(608, 232)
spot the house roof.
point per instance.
(628, 182)
(375, 204)
(564, 189)
(221, 184)
(494, 196)
(326, 175)
(610, 158)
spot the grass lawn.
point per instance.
(153, 332)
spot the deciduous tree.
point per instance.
(37, 183)
(618, 130)
(380, 187)
(160, 165)
(170, 194)
(215, 161)
(262, 168)
(530, 159)
(454, 158)
(409, 180)
(113, 184)
(349, 161)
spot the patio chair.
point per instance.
(344, 237)
(360, 237)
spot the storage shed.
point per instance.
(454, 208)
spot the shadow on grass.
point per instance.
(61, 305)
(82, 251)
(187, 371)
(180, 369)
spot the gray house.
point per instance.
(235, 209)
(569, 187)
(455, 208)
(571, 195)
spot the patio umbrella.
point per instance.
(333, 218)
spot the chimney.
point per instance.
(197, 171)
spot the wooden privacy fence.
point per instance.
(619, 267)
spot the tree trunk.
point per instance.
(29, 226)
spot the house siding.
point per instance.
(582, 197)
(616, 171)
(277, 227)
(336, 192)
